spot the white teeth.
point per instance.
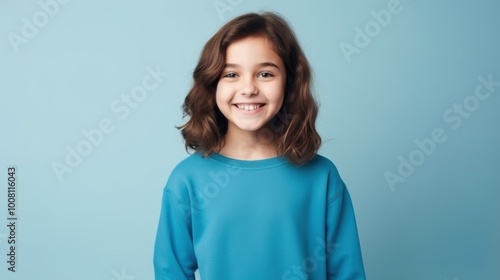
(247, 107)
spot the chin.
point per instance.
(249, 127)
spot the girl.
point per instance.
(255, 201)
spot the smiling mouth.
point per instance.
(249, 107)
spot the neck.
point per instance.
(248, 145)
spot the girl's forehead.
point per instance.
(252, 46)
(252, 39)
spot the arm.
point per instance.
(344, 253)
(174, 257)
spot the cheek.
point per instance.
(278, 95)
(221, 95)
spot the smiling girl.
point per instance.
(255, 201)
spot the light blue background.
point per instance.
(99, 221)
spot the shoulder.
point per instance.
(189, 163)
(321, 165)
(182, 175)
(189, 166)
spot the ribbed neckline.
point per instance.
(248, 164)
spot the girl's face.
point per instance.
(251, 89)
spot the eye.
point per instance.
(265, 75)
(230, 75)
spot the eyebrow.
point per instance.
(263, 64)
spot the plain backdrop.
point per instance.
(409, 94)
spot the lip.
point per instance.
(248, 103)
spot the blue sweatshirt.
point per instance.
(256, 220)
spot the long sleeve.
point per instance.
(174, 257)
(343, 249)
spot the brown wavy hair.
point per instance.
(292, 131)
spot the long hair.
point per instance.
(292, 131)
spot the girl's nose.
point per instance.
(249, 87)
